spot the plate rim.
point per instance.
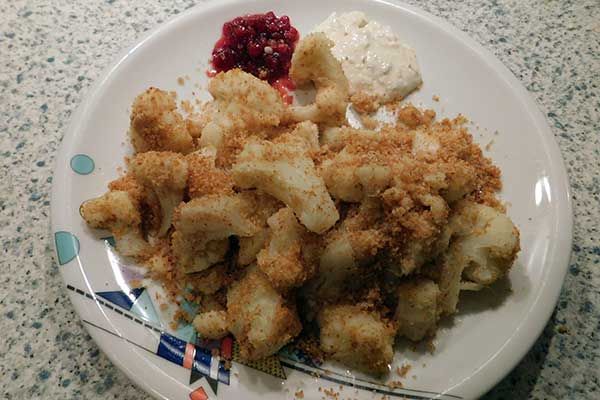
(540, 311)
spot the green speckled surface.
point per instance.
(52, 51)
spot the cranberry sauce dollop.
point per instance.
(260, 44)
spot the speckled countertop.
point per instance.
(50, 53)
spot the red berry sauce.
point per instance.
(260, 44)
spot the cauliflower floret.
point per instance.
(216, 217)
(450, 273)
(196, 121)
(157, 125)
(337, 265)
(210, 280)
(259, 318)
(417, 222)
(313, 62)
(159, 264)
(309, 132)
(357, 337)
(282, 260)
(203, 226)
(341, 260)
(351, 245)
(285, 170)
(197, 254)
(117, 212)
(211, 324)
(349, 179)
(265, 206)
(337, 137)
(483, 247)
(489, 242)
(204, 177)
(164, 175)
(417, 311)
(461, 180)
(251, 246)
(244, 103)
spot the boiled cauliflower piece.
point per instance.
(337, 137)
(421, 219)
(264, 206)
(203, 226)
(282, 260)
(216, 217)
(313, 62)
(251, 246)
(417, 311)
(309, 132)
(337, 264)
(259, 318)
(157, 125)
(197, 120)
(210, 280)
(211, 324)
(453, 264)
(460, 180)
(204, 177)
(285, 170)
(164, 175)
(350, 179)
(117, 212)
(243, 103)
(197, 254)
(342, 258)
(484, 246)
(488, 240)
(352, 244)
(357, 337)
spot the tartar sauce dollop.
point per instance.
(374, 59)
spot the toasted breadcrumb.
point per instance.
(364, 103)
(403, 370)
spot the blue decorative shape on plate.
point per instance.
(82, 164)
(144, 307)
(122, 299)
(223, 373)
(110, 240)
(67, 246)
(171, 348)
(186, 332)
(202, 360)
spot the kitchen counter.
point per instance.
(52, 51)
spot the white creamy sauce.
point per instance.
(374, 59)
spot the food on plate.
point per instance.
(313, 63)
(282, 222)
(260, 44)
(261, 318)
(118, 212)
(242, 105)
(157, 125)
(284, 169)
(378, 65)
(357, 335)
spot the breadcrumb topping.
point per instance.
(285, 225)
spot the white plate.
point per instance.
(493, 330)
